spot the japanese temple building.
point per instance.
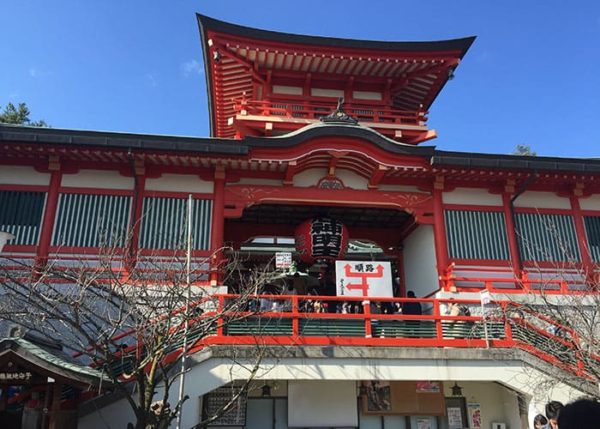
(305, 128)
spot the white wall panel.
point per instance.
(471, 196)
(590, 203)
(322, 404)
(179, 183)
(22, 175)
(542, 200)
(420, 272)
(105, 179)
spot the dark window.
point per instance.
(21, 215)
(476, 235)
(546, 237)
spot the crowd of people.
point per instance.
(580, 414)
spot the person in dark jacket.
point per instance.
(581, 414)
(412, 308)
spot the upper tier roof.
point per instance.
(239, 59)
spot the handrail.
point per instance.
(315, 110)
(509, 325)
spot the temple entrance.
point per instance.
(375, 234)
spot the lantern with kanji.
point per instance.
(321, 239)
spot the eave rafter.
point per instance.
(446, 64)
(222, 50)
(376, 176)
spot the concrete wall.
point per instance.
(420, 273)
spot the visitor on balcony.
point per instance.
(458, 328)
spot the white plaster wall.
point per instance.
(309, 177)
(590, 203)
(310, 404)
(498, 403)
(542, 200)
(179, 183)
(351, 179)
(22, 175)
(472, 196)
(258, 181)
(115, 415)
(420, 273)
(105, 179)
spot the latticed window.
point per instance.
(21, 215)
(592, 229)
(84, 220)
(476, 235)
(164, 223)
(547, 237)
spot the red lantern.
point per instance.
(321, 239)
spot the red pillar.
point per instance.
(513, 245)
(586, 260)
(218, 225)
(136, 220)
(439, 228)
(49, 215)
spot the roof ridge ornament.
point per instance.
(338, 116)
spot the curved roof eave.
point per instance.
(520, 162)
(460, 45)
(339, 130)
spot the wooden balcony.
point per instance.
(274, 117)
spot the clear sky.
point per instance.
(532, 76)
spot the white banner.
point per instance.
(283, 259)
(360, 278)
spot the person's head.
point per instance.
(410, 294)
(553, 410)
(540, 422)
(581, 414)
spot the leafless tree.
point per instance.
(559, 314)
(131, 324)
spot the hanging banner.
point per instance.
(360, 278)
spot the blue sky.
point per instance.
(532, 76)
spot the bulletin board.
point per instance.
(403, 398)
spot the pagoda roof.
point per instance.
(238, 59)
(459, 45)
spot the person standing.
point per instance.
(412, 308)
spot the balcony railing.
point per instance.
(315, 111)
(292, 321)
(550, 281)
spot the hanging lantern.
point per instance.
(321, 239)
